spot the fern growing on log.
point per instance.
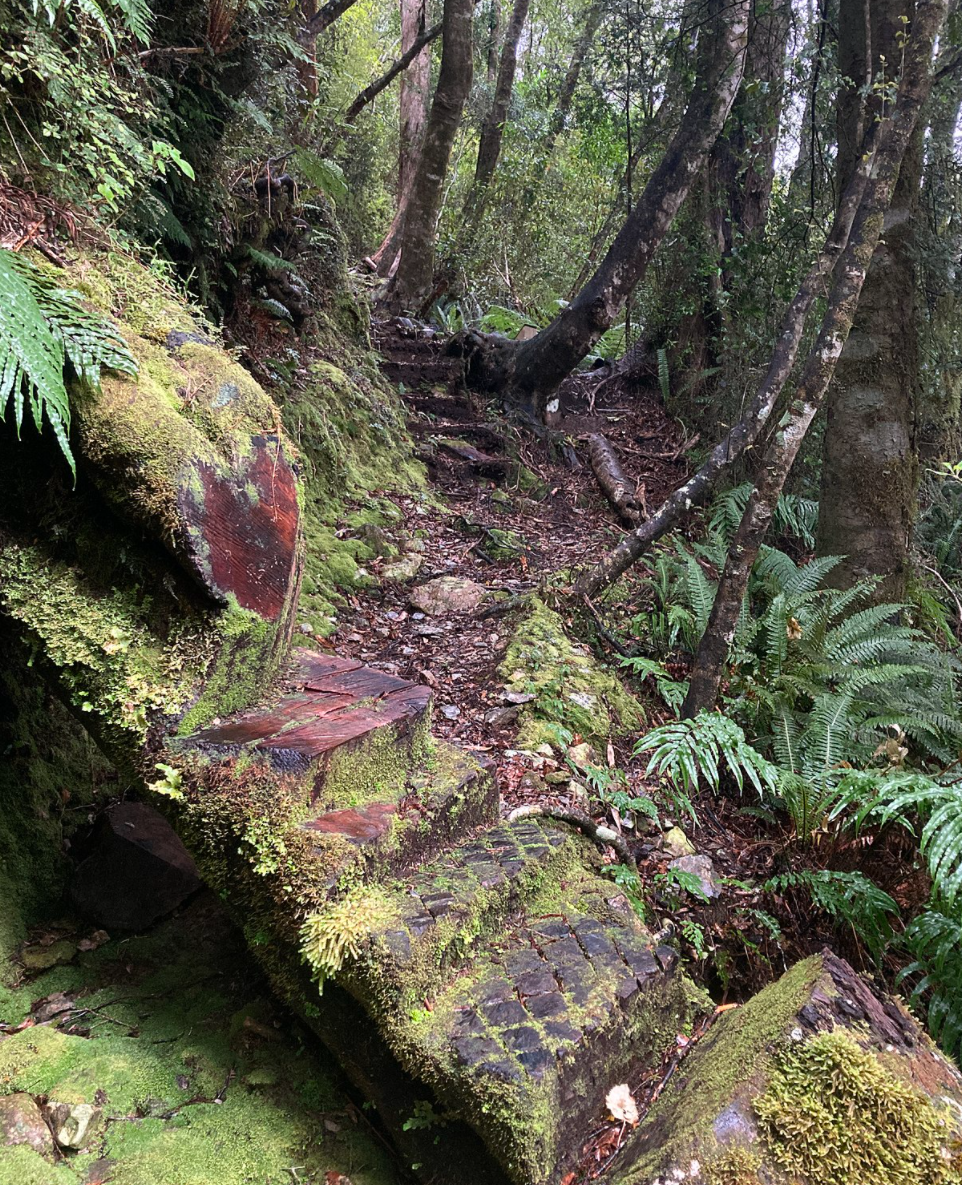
(44, 331)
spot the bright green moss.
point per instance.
(571, 689)
(23, 1166)
(831, 1112)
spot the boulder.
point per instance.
(22, 1122)
(137, 872)
(818, 1078)
(447, 594)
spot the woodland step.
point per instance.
(446, 908)
(353, 732)
(540, 1010)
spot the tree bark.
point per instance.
(867, 503)
(414, 113)
(414, 276)
(744, 435)
(326, 16)
(615, 486)
(492, 132)
(532, 371)
(850, 277)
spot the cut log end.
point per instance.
(616, 487)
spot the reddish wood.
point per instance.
(241, 531)
(358, 824)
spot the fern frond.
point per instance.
(846, 896)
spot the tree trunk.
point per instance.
(532, 371)
(414, 111)
(749, 429)
(492, 133)
(868, 496)
(415, 273)
(850, 277)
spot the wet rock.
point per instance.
(21, 1122)
(676, 843)
(447, 594)
(137, 872)
(450, 711)
(74, 1125)
(403, 569)
(501, 717)
(701, 867)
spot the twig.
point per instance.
(597, 832)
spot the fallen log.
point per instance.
(614, 484)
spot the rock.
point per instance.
(447, 594)
(403, 569)
(74, 1125)
(39, 956)
(306, 627)
(701, 867)
(815, 1074)
(501, 717)
(137, 872)
(557, 777)
(450, 711)
(676, 843)
(377, 539)
(581, 755)
(425, 630)
(21, 1122)
(579, 795)
(518, 697)
(584, 699)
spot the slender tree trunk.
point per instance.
(532, 371)
(492, 132)
(868, 497)
(495, 32)
(414, 276)
(325, 16)
(850, 276)
(414, 113)
(746, 433)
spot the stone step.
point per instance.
(520, 1003)
(436, 918)
(352, 733)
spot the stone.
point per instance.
(450, 711)
(519, 697)
(74, 1125)
(557, 777)
(701, 867)
(138, 870)
(22, 1122)
(501, 717)
(447, 594)
(377, 539)
(405, 568)
(581, 755)
(676, 843)
(39, 956)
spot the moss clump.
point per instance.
(570, 688)
(335, 934)
(734, 1166)
(22, 1166)
(832, 1112)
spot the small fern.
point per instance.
(321, 174)
(664, 380)
(695, 753)
(848, 897)
(44, 330)
(934, 939)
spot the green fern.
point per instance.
(848, 897)
(695, 753)
(794, 516)
(934, 939)
(664, 381)
(43, 331)
(321, 174)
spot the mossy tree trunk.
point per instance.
(850, 278)
(528, 374)
(414, 277)
(868, 497)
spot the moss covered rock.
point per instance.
(817, 1079)
(571, 690)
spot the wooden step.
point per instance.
(353, 732)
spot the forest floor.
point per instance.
(486, 526)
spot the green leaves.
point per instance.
(692, 753)
(42, 329)
(848, 897)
